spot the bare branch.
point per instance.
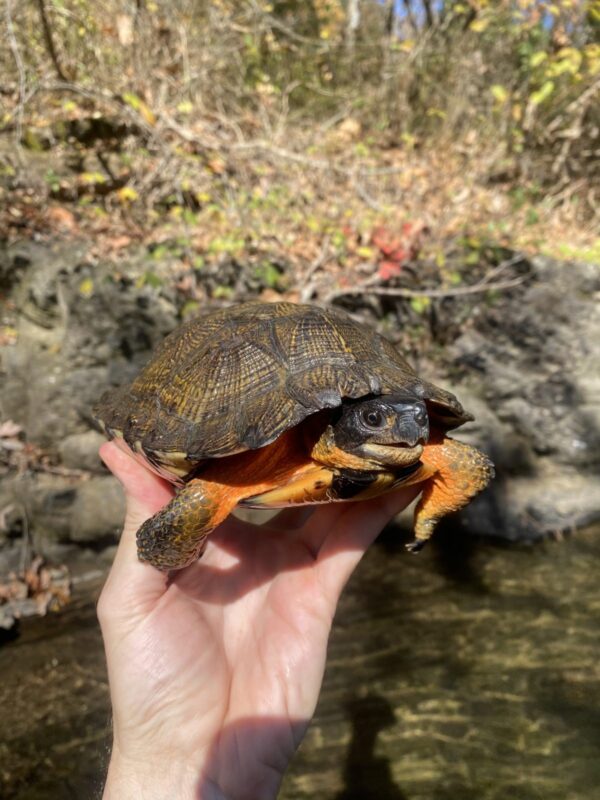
(50, 41)
(14, 46)
(369, 286)
(310, 285)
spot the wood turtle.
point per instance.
(277, 404)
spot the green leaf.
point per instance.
(132, 100)
(542, 94)
(90, 178)
(86, 288)
(537, 58)
(479, 25)
(127, 194)
(149, 278)
(222, 292)
(365, 252)
(269, 274)
(190, 307)
(135, 102)
(420, 304)
(499, 93)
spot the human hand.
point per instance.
(215, 670)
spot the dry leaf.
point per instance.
(125, 29)
(9, 429)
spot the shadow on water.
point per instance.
(454, 549)
(455, 557)
(364, 770)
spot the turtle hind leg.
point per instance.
(175, 536)
(460, 472)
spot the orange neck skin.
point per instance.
(285, 470)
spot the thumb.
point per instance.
(133, 587)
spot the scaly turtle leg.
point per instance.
(175, 536)
(460, 472)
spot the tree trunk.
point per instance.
(352, 23)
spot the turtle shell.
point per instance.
(237, 378)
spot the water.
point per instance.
(470, 672)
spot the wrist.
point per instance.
(164, 778)
(169, 779)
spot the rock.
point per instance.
(47, 502)
(528, 509)
(534, 386)
(537, 365)
(10, 514)
(107, 556)
(66, 510)
(79, 331)
(7, 619)
(98, 511)
(80, 451)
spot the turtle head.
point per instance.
(382, 431)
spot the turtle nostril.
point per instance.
(420, 414)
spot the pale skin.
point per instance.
(215, 670)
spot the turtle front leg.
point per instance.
(460, 472)
(175, 536)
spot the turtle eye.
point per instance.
(373, 418)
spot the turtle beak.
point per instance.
(412, 423)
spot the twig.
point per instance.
(56, 469)
(574, 105)
(370, 285)
(14, 46)
(274, 22)
(366, 197)
(50, 41)
(309, 285)
(67, 86)
(25, 539)
(503, 265)
(564, 191)
(289, 155)
(412, 293)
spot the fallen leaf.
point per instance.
(119, 242)
(8, 335)
(389, 269)
(9, 429)
(61, 218)
(125, 29)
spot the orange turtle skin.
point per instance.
(280, 475)
(239, 407)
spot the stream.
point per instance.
(470, 672)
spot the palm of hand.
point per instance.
(222, 663)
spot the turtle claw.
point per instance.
(415, 546)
